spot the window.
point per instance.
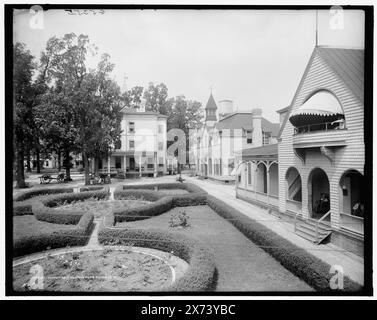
(46, 163)
(132, 144)
(249, 140)
(266, 138)
(160, 161)
(150, 164)
(118, 144)
(160, 146)
(131, 127)
(160, 128)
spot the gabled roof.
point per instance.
(347, 63)
(211, 104)
(243, 120)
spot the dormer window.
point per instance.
(321, 112)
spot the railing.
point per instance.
(324, 126)
(352, 223)
(318, 222)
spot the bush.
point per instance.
(43, 211)
(40, 192)
(91, 188)
(201, 273)
(22, 209)
(76, 236)
(304, 265)
(144, 212)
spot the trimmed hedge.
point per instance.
(43, 211)
(22, 209)
(91, 188)
(301, 263)
(146, 195)
(190, 187)
(40, 192)
(201, 273)
(78, 235)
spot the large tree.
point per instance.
(23, 94)
(83, 103)
(156, 98)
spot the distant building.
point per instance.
(225, 133)
(315, 173)
(142, 149)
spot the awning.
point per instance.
(320, 108)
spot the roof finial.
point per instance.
(316, 28)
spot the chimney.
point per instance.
(256, 123)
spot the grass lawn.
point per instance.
(101, 207)
(172, 192)
(241, 265)
(28, 225)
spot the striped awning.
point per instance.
(321, 107)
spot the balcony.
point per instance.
(328, 134)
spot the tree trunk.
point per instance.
(59, 161)
(28, 168)
(67, 164)
(86, 168)
(38, 162)
(96, 166)
(20, 169)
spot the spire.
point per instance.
(211, 109)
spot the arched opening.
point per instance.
(274, 179)
(294, 185)
(351, 201)
(261, 178)
(318, 193)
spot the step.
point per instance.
(323, 224)
(312, 228)
(305, 236)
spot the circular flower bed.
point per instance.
(93, 271)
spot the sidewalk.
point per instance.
(352, 264)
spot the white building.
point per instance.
(225, 133)
(142, 149)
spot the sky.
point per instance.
(254, 57)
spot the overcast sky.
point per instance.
(255, 58)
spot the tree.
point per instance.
(132, 98)
(23, 69)
(156, 97)
(83, 105)
(185, 115)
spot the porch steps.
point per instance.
(307, 230)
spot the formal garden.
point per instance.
(159, 237)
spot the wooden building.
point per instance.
(320, 152)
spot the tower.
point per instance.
(211, 109)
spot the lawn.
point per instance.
(28, 225)
(241, 265)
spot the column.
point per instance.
(140, 166)
(155, 165)
(268, 184)
(108, 165)
(255, 180)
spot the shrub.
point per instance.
(78, 235)
(91, 188)
(143, 212)
(304, 265)
(22, 209)
(201, 272)
(40, 192)
(43, 211)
